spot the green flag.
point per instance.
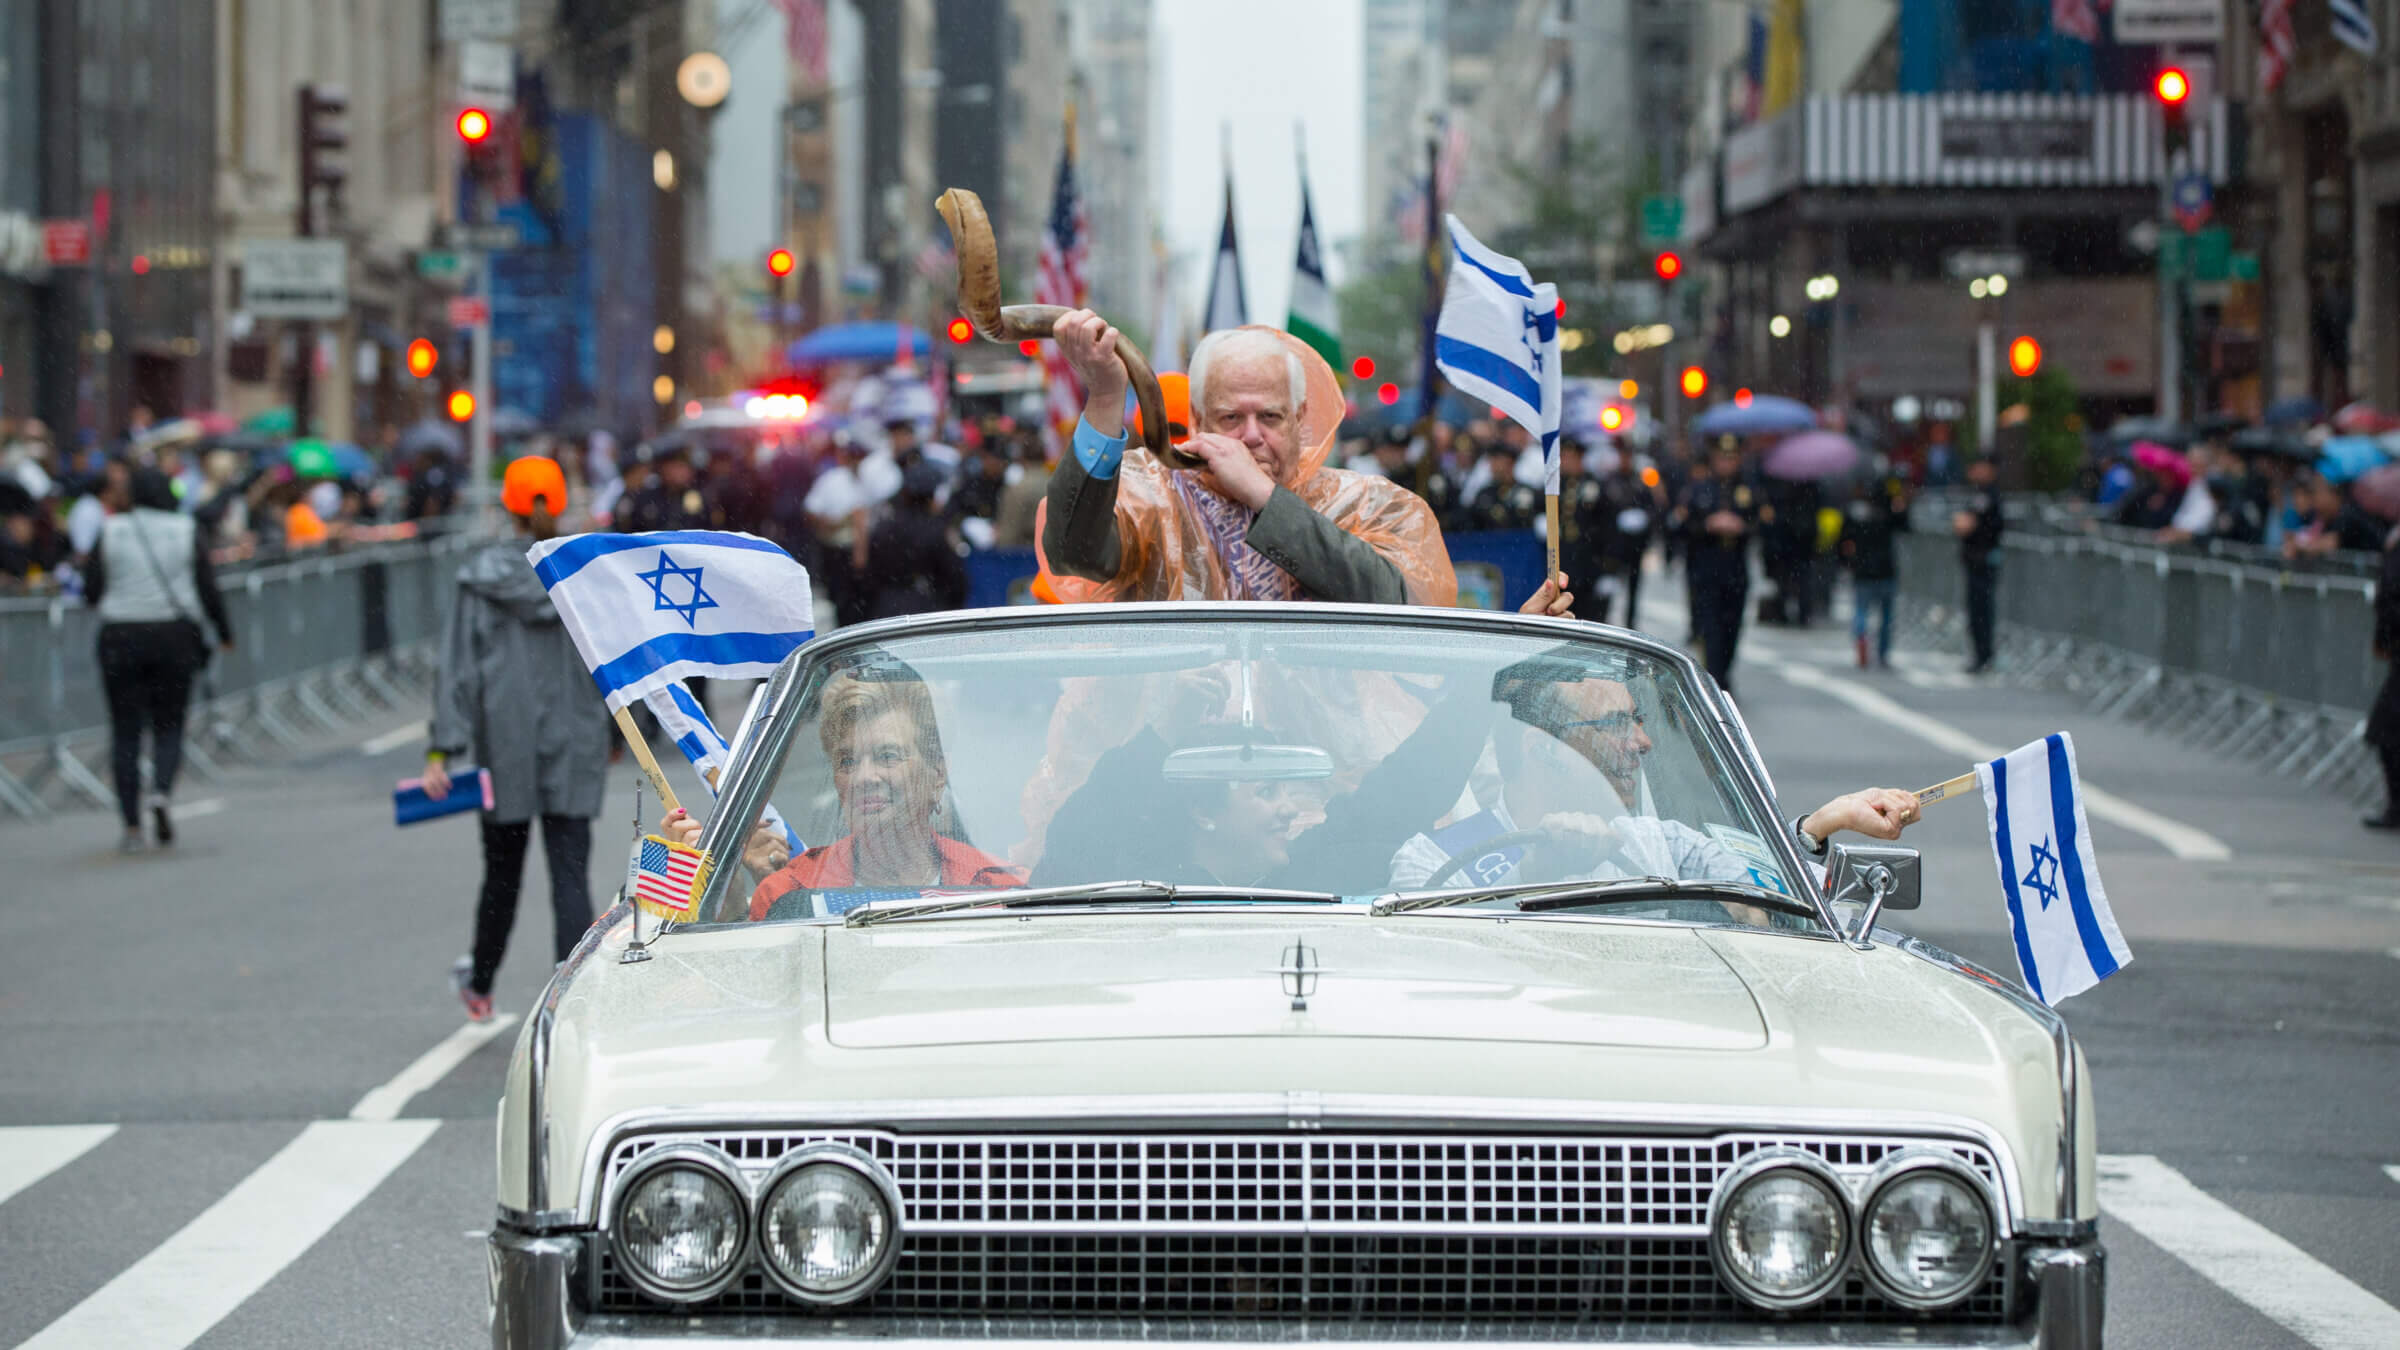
(1313, 319)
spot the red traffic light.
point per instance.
(961, 330)
(1562, 308)
(1668, 265)
(474, 126)
(2024, 357)
(1612, 418)
(1389, 393)
(141, 264)
(1741, 398)
(1029, 347)
(461, 405)
(779, 263)
(1694, 381)
(1363, 368)
(421, 358)
(2172, 87)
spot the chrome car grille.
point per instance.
(1317, 1183)
(1301, 1281)
(1300, 1229)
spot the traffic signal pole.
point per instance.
(479, 384)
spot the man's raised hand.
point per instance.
(1878, 813)
(1091, 348)
(1234, 468)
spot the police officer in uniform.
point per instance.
(1717, 516)
(1628, 510)
(1978, 529)
(672, 500)
(1504, 503)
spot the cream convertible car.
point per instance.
(1281, 973)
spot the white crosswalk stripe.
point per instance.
(2244, 1257)
(30, 1152)
(188, 1283)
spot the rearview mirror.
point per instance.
(1874, 878)
(1247, 764)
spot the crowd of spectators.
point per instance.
(2285, 493)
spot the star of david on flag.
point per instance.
(687, 583)
(650, 610)
(2066, 937)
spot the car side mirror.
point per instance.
(1876, 878)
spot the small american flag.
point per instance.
(667, 878)
(1066, 247)
(2275, 43)
(2076, 19)
(804, 36)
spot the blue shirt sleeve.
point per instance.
(1099, 455)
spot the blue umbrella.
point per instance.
(355, 464)
(1766, 415)
(2346, 457)
(2296, 408)
(868, 340)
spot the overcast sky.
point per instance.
(1261, 67)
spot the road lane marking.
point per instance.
(30, 1152)
(392, 740)
(386, 1102)
(206, 806)
(2243, 1258)
(187, 1284)
(2392, 1170)
(2184, 841)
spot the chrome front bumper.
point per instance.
(533, 1279)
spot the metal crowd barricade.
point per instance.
(322, 644)
(2227, 647)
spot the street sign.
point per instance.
(2212, 254)
(1966, 263)
(1662, 218)
(67, 243)
(2244, 267)
(2169, 20)
(463, 20)
(487, 75)
(441, 265)
(466, 311)
(472, 238)
(2193, 200)
(296, 278)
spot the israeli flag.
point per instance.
(2067, 939)
(652, 610)
(687, 723)
(1497, 339)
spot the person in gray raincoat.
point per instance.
(513, 697)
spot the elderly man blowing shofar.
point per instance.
(1263, 519)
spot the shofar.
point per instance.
(979, 300)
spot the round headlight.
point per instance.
(830, 1224)
(682, 1223)
(1779, 1229)
(1930, 1238)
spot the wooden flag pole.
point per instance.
(1944, 791)
(642, 756)
(1550, 515)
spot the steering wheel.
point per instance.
(1458, 862)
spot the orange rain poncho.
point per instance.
(1167, 551)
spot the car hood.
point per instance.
(1178, 1014)
(983, 982)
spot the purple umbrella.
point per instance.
(1812, 454)
(2378, 490)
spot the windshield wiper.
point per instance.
(1096, 892)
(1537, 897)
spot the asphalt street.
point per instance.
(230, 1030)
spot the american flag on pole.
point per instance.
(2076, 19)
(668, 878)
(804, 36)
(2275, 43)
(1066, 248)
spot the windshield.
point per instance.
(1241, 758)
